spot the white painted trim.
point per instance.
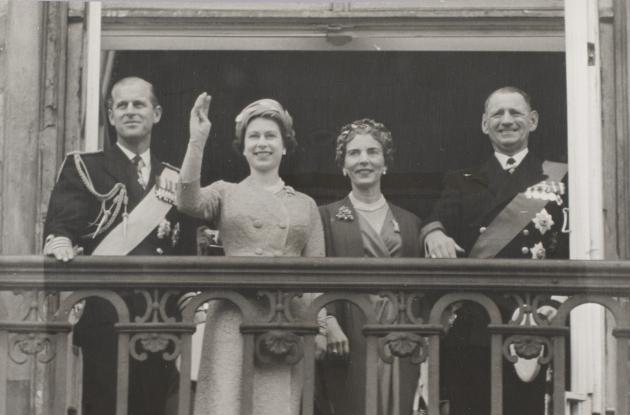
(585, 194)
(93, 70)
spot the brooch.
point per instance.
(344, 214)
(289, 190)
(538, 251)
(396, 226)
(164, 229)
(543, 221)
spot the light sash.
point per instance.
(143, 219)
(514, 217)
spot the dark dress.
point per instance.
(71, 212)
(471, 199)
(343, 381)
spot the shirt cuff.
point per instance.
(53, 242)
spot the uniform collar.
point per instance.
(146, 156)
(518, 157)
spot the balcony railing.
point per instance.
(48, 290)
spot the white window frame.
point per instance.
(432, 31)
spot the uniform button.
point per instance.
(482, 229)
(258, 224)
(525, 250)
(258, 251)
(525, 232)
(159, 251)
(282, 226)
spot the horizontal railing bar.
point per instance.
(32, 327)
(155, 327)
(535, 330)
(356, 274)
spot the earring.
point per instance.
(284, 152)
(384, 172)
(344, 172)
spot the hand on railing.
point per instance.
(440, 245)
(60, 247)
(337, 341)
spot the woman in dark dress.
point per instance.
(365, 224)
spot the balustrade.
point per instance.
(38, 335)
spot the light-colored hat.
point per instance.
(266, 108)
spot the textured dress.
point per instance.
(252, 221)
(348, 234)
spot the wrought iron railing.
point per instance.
(40, 332)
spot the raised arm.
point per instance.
(189, 195)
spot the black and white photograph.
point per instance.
(309, 207)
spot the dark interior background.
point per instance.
(431, 101)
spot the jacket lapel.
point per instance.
(345, 234)
(409, 239)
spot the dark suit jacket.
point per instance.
(72, 211)
(343, 238)
(472, 198)
(341, 389)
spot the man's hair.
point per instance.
(509, 90)
(126, 80)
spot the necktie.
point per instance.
(139, 163)
(510, 165)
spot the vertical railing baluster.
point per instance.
(496, 371)
(559, 374)
(247, 401)
(622, 375)
(308, 394)
(122, 386)
(185, 363)
(4, 369)
(434, 374)
(60, 395)
(371, 376)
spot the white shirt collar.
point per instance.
(518, 157)
(367, 206)
(146, 156)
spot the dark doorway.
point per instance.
(431, 101)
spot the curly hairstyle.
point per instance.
(377, 130)
(271, 110)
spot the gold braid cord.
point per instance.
(116, 198)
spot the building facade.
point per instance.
(424, 68)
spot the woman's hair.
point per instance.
(377, 130)
(271, 110)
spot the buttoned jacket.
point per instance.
(472, 198)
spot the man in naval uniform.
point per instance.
(118, 202)
(512, 206)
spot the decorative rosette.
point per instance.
(538, 251)
(543, 221)
(344, 213)
(164, 229)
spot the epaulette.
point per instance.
(71, 155)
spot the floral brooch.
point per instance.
(538, 251)
(344, 213)
(543, 221)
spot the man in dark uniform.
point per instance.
(94, 208)
(512, 206)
